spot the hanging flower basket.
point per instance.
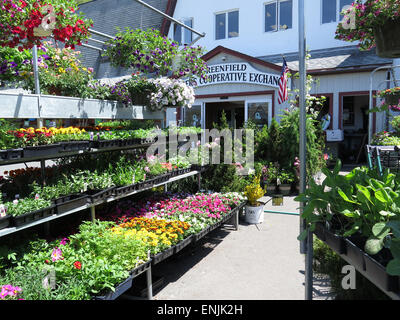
(27, 23)
(391, 97)
(387, 39)
(372, 23)
(170, 93)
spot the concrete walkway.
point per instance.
(257, 262)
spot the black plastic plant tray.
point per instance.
(183, 171)
(140, 269)
(320, 231)
(65, 198)
(3, 155)
(355, 256)
(5, 222)
(119, 290)
(41, 151)
(215, 225)
(162, 255)
(32, 216)
(380, 277)
(160, 179)
(334, 241)
(145, 184)
(105, 144)
(184, 243)
(119, 191)
(74, 201)
(130, 142)
(147, 140)
(228, 216)
(201, 234)
(71, 146)
(174, 173)
(10, 154)
(99, 195)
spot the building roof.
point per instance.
(332, 60)
(107, 15)
(221, 50)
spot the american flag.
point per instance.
(283, 92)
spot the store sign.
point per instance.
(236, 73)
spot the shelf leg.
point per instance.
(237, 220)
(43, 171)
(47, 229)
(93, 213)
(149, 284)
(199, 181)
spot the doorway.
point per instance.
(234, 111)
(355, 128)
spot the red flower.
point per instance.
(47, 261)
(78, 265)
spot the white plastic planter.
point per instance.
(254, 215)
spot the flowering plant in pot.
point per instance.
(285, 180)
(373, 23)
(254, 209)
(170, 93)
(149, 52)
(269, 175)
(391, 100)
(26, 23)
(60, 72)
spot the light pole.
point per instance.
(306, 246)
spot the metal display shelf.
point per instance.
(390, 294)
(11, 230)
(91, 206)
(24, 106)
(71, 154)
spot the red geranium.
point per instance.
(27, 23)
(78, 265)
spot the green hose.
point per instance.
(282, 212)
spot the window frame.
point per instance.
(278, 12)
(183, 20)
(337, 16)
(226, 12)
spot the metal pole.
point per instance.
(37, 83)
(93, 213)
(307, 245)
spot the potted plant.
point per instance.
(254, 209)
(285, 178)
(391, 99)
(269, 174)
(148, 52)
(373, 23)
(171, 93)
(27, 23)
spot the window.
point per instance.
(192, 116)
(278, 15)
(227, 24)
(181, 34)
(331, 9)
(258, 113)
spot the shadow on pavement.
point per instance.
(173, 268)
